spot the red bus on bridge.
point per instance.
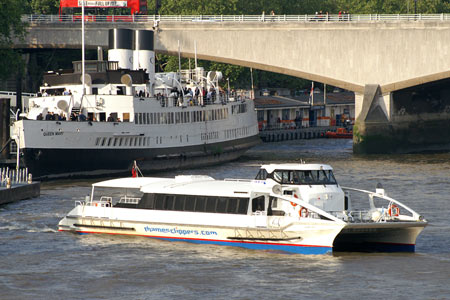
(131, 6)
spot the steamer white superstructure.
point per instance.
(127, 113)
(293, 208)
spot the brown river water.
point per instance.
(38, 262)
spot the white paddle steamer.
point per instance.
(125, 112)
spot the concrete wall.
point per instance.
(350, 55)
(416, 119)
(19, 192)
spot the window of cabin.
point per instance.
(211, 204)
(221, 205)
(114, 115)
(200, 204)
(189, 205)
(102, 117)
(169, 201)
(232, 205)
(243, 206)
(147, 201)
(258, 204)
(262, 175)
(159, 201)
(179, 202)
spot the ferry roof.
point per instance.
(129, 182)
(303, 167)
(207, 187)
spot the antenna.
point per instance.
(82, 47)
(195, 52)
(179, 57)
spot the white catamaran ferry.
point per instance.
(125, 112)
(296, 208)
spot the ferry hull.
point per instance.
(58, 163)
(387, 237)
(303, 241)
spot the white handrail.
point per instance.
(235, 18)
(415, 214)
(308, 206)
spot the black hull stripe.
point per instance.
(59, 163)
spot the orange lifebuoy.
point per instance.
(393, 210)
(293, 204)
(303, 212)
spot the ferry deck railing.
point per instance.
(129, 200)
(393, 211)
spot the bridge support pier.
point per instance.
(412, 120)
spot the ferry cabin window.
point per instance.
(310, 177)
(193, 203)
(221, 205)
(258, 204)
(262, 175)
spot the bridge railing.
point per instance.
(236, 18)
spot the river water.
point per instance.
(38, 262)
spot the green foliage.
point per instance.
(194, 7)
(45, 6)
(11, 28)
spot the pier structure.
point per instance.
(397, 65)
(17, 184)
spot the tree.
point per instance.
(45, 6)
(11, 28)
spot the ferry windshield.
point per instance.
(303, 177)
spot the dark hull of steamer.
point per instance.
(45, 164)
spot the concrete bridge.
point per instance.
(399, 67)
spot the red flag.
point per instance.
(311, 93)
(133, 170)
